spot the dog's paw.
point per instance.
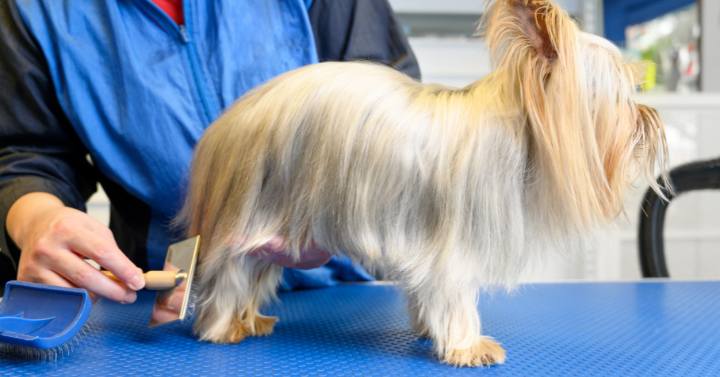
(237, 331)
(257, 325)
(264, 325)
(485, 352)
(240, 328)
(234, 332)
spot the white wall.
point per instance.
(434, 6)
(451, 61)
(692, 229)
(710, 50)
(465, 6)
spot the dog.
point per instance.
(450, 190)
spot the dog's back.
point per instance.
(360, 158)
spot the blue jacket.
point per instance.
(122, 83)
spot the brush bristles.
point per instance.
(54, 354)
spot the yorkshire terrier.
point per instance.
(450, 190)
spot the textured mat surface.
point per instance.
(616, 329)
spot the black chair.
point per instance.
(700, 175)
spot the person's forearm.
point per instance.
(24, 212)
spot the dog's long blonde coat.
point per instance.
(449, 190)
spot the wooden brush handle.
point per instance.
(155, 280)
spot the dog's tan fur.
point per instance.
(485, 351)
(252, 324)
(450, 190)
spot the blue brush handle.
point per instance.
(19, 327)
(42, 316)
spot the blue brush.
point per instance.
(38, 321)
(42, 316)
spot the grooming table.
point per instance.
(571, 329)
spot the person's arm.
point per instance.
(45, 179)
(347, 30)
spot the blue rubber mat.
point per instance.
(616, 329)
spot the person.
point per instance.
(118, 93)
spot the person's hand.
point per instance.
(275, 252)
(54, 241)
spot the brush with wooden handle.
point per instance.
(173, 282)
(157, 280)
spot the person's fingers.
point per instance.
(162, 315)
(175, 301)
(33, 268)
(106, 253)
(59, 281)
(80, 274)
(87, 237)
(50, 278)
(54, 245)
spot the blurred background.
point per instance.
(679, 41)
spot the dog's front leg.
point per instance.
(448, 311)
(230, 293)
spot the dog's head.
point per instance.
(589, 137)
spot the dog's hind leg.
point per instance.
(230, 295)
(448, 311)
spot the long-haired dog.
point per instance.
(452, 190)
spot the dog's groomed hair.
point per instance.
(448, 189)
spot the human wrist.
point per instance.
(28, 210)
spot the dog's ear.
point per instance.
(537, 23)
(650, 133)
(537, 29)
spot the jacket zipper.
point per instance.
(207, 97)
(208, 100)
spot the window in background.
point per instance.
(443, 35)
(670, 45)
(447, 25)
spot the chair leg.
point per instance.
(699, 175)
